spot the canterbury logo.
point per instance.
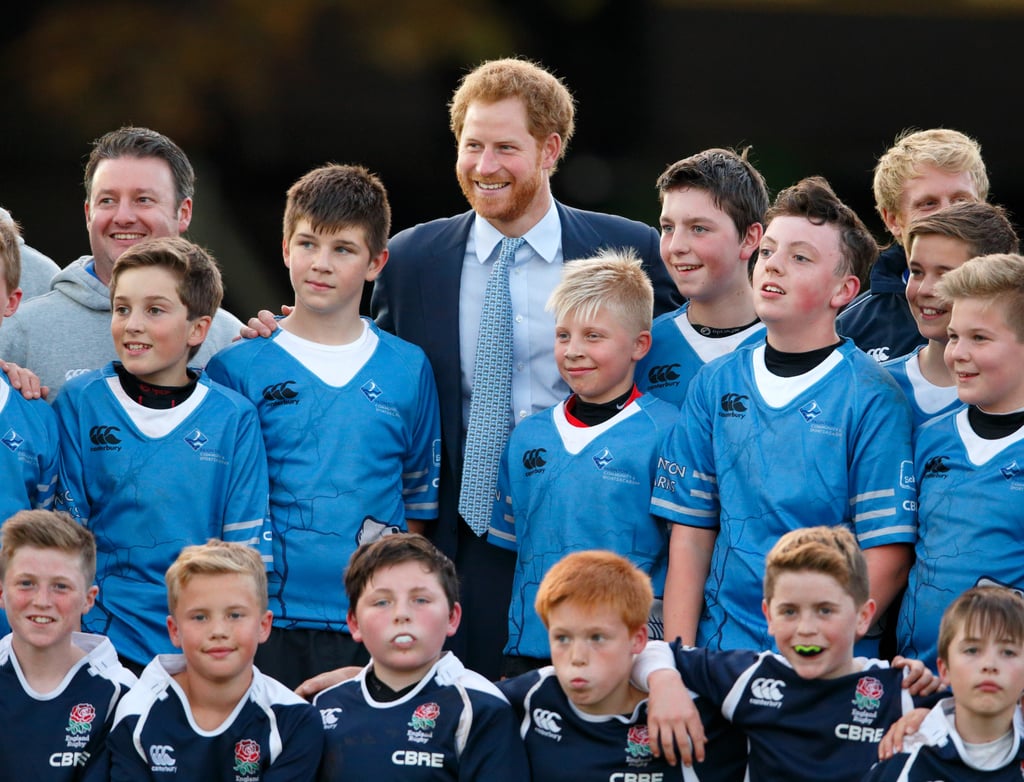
(936, 465)
(279, 391)
(534, 459)
(767, 689)
(104, 435)
(547, 720)
(161, 755)
(665, 373)
(734, 403)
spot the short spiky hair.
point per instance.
(394, 550)
(735, 186)
(814, 199)
(10, 255)
(983, 227)
(832, 551)
(333, 197)
(49, 530)
(549, 104)
(614, 280)
(947, 150)
(597, 579)
(216, 558)
(199, 283)
(131, 141)
(991, 612)
(997, 277)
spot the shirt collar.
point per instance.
(544, 238)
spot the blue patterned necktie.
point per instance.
(491, 403)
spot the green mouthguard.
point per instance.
(807, 649)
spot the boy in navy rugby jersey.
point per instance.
(578, 475)
(58, 687)
(155, 456)
(712, 219)
(208, 713)
(801, 426)
(349, 417)
(813, 711)
(583, 712)
(413, 713)
(977, 734)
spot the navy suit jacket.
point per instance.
(417, 298)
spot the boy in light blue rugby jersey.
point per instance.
(154, 455)
(349, 417)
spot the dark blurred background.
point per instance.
(257, 92)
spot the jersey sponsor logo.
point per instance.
(12, 440)
(666, 469)
(247, 757)
(196, 439)
(373, 529)
(73, 373)
(632, 776)
(330, 717)
(533, 460)
(907, 479)
(1010, 471)
(409, 757)
(423, 722)
(733, 405)
(548, 723)
(278, 394)
(767, 692)
(68, 759)
(879, 354)
(371, 390)
(859, 733)
(162, 757)
(603, 459)
(663, 375)
(810, 411)
(935, 467)
(105, 438)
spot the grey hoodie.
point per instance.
(66, 332)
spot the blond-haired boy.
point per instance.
(208, 713)
(969, 472)
(801, 428)
(154, 455)
(583, 712)
(578, 476)
(976, 734)
(58, 687)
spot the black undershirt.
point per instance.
(381, 693)
(991, 426)
(716, 333)
(155, 397)
(591, 414)
(793, 364)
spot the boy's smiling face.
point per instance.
(151, 328)
(797, 288)
(985, 356)
(815, 623)
(931, 256)
(596, 355)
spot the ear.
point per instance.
(751, 241)
(353, 626)
(865, 615)
(184, 215)
(639, 640)
(90, 598)
(266, 622)
(550, 149)
(173, 631)
(12, 303)
(641, 345)
(286, 253)
(943, 671)
(845, 292)
(88, 215)
(454, 617)
(376, 265)
(200, 327)
(894, 223)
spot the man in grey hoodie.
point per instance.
(138, 184)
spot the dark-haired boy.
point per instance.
(349, 417)
(155, 456)
(800, 428)
(712, 215)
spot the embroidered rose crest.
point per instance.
(425, 716)
(638, 742)
(869, 693)
(80, 720)
(247, 757)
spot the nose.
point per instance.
(487, 163)
(125, 213)
(956, 350)
(578, 652)
(320, 260)
(678, 243)
(133, 322)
